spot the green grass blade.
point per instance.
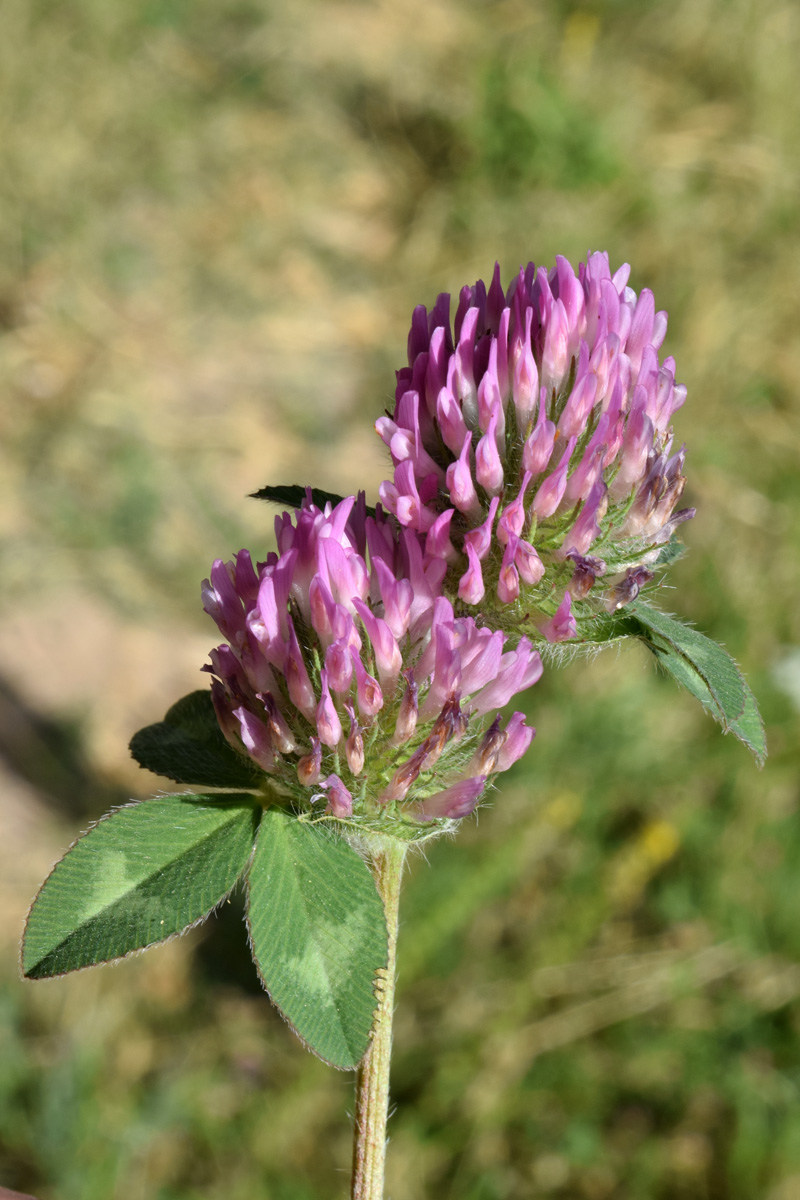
(318, 935)
(140, 875)
(188, 746)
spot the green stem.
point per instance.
(372, 1080)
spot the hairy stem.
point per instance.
(372, 1080)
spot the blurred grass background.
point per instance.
(215, 219)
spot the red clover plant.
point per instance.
(355, 706)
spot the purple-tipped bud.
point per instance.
(519, 669)
(454, 802)
(340, 800)
(459, 482)
(464, 379)
(301, 693)
(538, 448)
(471, 588)
(309, 766)
(488, 466)
(528, 563)
(526, 376)
(397, 596)
(508, 582)
(512, 519)
(575, 415)
(481, 538)
(518, 738)
(490, 401)
(388, 658)
(354, 747)
(587, 527)
(329, 727)
(436, 374)
(222, 603)
(628, 588)
(551, 493)
(561, 626)
(555, 356)
(587, 570)
(368, 691)
(228, 723)
(408, 712)
(489, 750)
(451, 421)
(404, 777)
(339, 666)
(255, 738)
(281, 735)
(437, 543)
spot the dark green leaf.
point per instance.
(318, 935)
(189, 747)
(142, 874)
(292, 496)
(707, 671)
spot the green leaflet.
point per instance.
(318, 935)
(707, 671)
(292, 496)
(142, 874)
(188, 746)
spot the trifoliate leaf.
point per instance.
(318, 935)
(188, 746)
(140, 875)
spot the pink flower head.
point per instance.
(545, 415)
(346, 669)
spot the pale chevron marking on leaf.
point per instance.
(106, 887)
(142, 874)
(318, 935)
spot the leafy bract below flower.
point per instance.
(347, 678)
(532, 447)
